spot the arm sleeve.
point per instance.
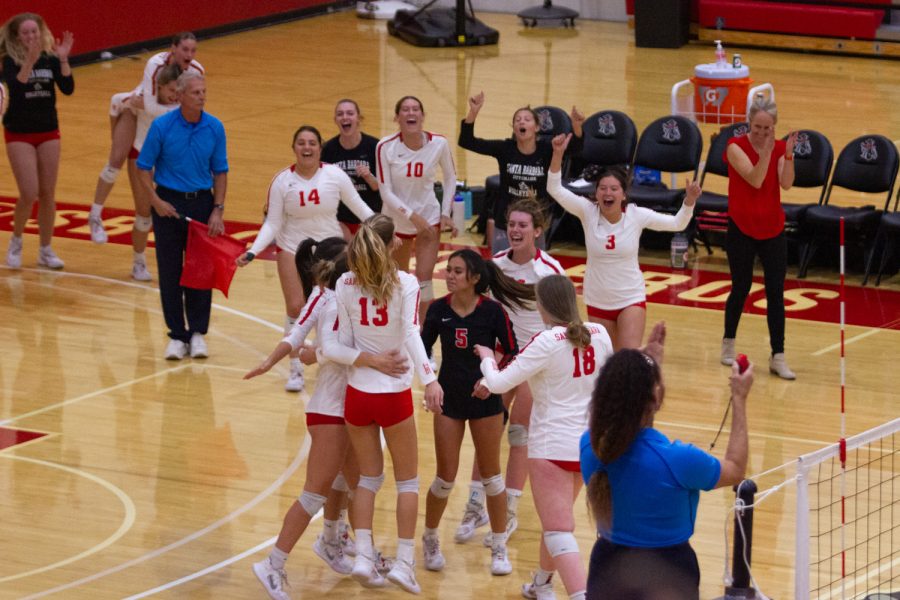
(385, 188)
(693, 468)
(274, 218)
(430, 329)
(503, 332)
(350, 197)
(309, 316)
(449, 181)
(413, 343)
(65, 83)
(661, 222)
(218, 163)
(148, 89)
(337, 335)
(528, 362)
(468, 141)
(570, 201)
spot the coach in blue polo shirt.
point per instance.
(185, 149)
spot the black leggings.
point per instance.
(742, 251)
(626, 573)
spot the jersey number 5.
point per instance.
(584, 364)
(381, 314)
(462, 337)
(415, 169)
(313, 197)
(611, 242)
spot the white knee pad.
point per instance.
(109, 173)
(440, 488)
(340, 484)
(410, 486)
(142, 223)
(517, 435)
(560, 542)
(311, 503)
(426, 291)
(494, 485)
(373, 484)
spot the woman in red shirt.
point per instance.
(759, 167)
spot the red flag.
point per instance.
(209, 261)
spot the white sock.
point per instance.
(498, 540)
(96, 210)
(406, 550)
(277, 558)
(541, 576)
(364, 543)
(431, 532)
(344, 516)
(512, 500)
(330, 531)
(296, 366)
(476, 493)
(140, 258)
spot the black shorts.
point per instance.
(467, 408)
(643, 573)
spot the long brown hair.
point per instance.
(624, 394)
(504, 288)
(321, 263)
(9, 37)
(369, 256)
(556, 295)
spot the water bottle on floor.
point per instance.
(679, 250)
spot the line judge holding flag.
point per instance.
(185, 149)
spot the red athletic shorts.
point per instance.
(320, 419)
(352, 227)
(412, 236)
(364, 408)
(573, 466)
(35, 139)
(610, 315)
(133, 153)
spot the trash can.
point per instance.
(720, 93)
(662, 23)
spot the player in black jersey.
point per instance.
(462, 319)
(354, 152)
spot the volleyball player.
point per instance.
(354, 152)
(614, 288)
(377, 311)
(302, 203)
(319, 264)
(561, 365)
(126, 111)
(462, 319)
(523, 261)
(407, 168)
(33, 66)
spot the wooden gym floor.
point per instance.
(169, 479)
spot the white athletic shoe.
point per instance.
(500, 564)
(512, 523)
(383, 564)
(176, 350)
(14, 253)
(274, 580)
(331, 553)
(198, 346)
(294, 381)
(48, 258)
(434, 560)
(365, 573)
(348, 546)
(98, 233)
(474, 517)
(403, 574)
(139, 271)
(534, 591)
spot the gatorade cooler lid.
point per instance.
(714, 71)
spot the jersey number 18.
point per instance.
(584, 364)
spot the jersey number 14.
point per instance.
(312, 199)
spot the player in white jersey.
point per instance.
(614, 289)
(130, 115)
(561, 365)
(302, 203)
(526, 221)
(407, 169)
(377, 311)
(331, 464)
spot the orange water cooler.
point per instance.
(720, 92)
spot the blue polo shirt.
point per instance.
(185, 155)
(655, 488)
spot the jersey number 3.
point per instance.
(611, 242)
(584, 364)
(313, 197)
(381, 313)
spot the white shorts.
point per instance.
(331, 387)
(117, 103)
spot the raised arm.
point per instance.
(734, 465)
(467, 137)
(679, 221)
(571, 202)
(786, 163)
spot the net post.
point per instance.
(801, 535)
(743, 542)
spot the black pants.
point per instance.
(742, 250)
(180, 303)
(626, 573)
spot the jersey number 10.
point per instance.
(415, 169)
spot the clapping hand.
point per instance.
(64, 47)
